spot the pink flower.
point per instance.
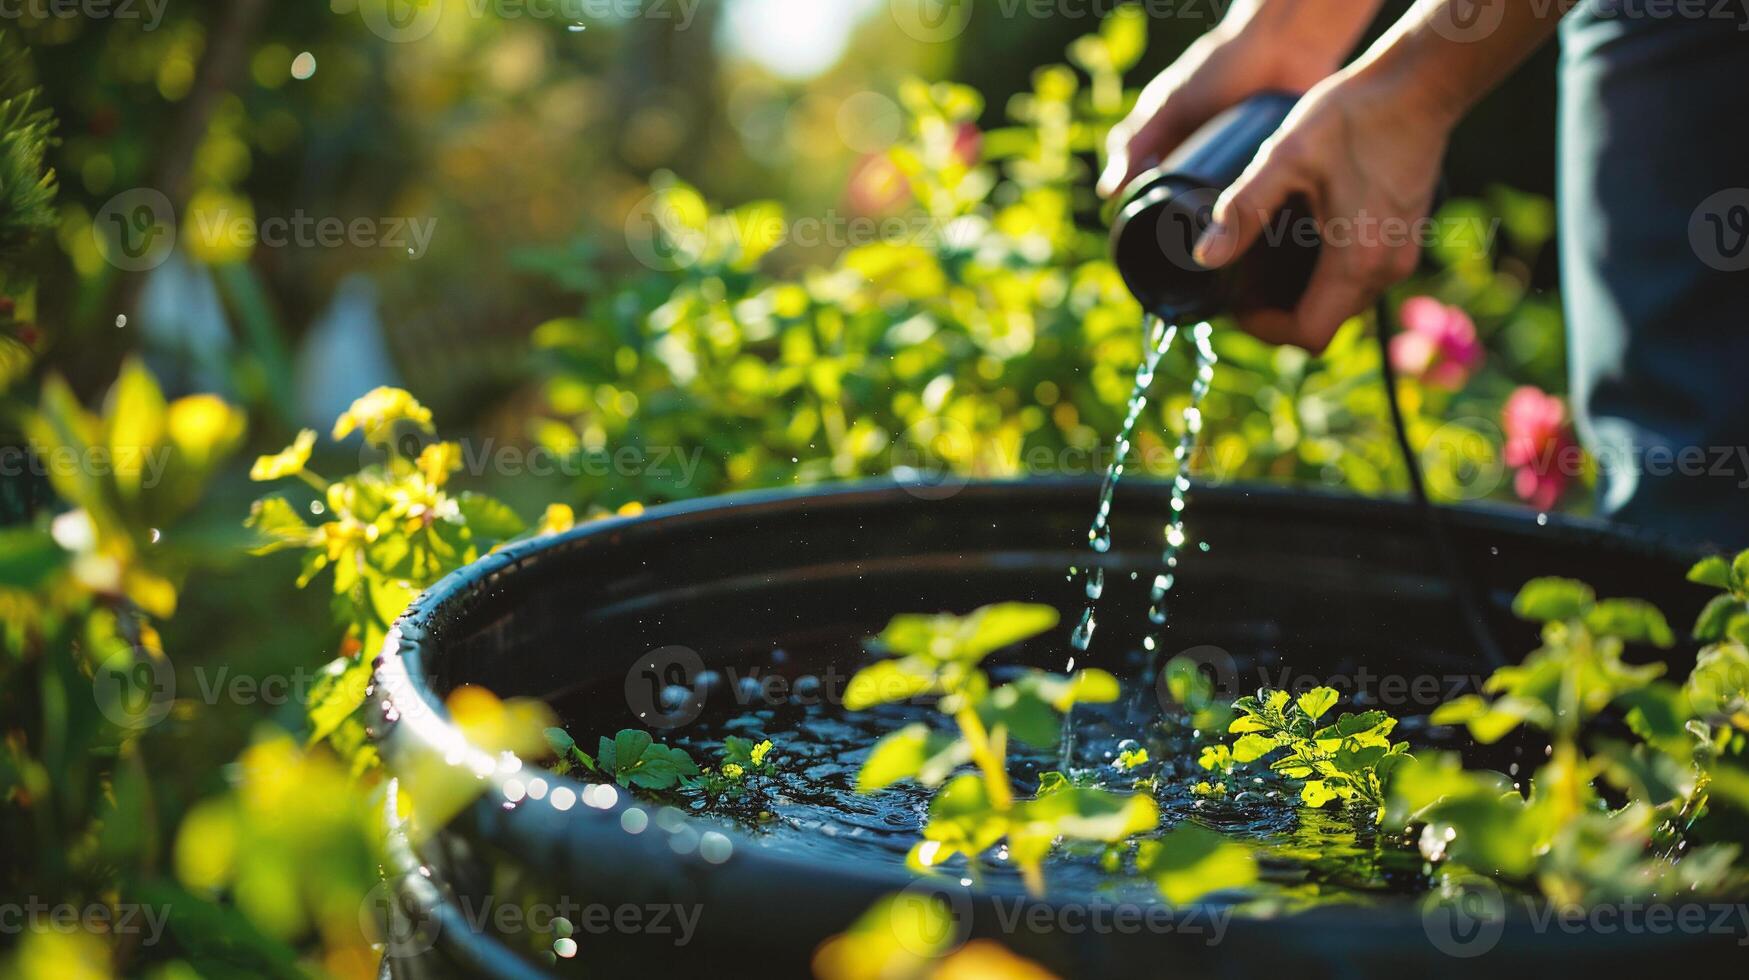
(1438, 344)
(1539, 445)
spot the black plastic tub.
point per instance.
(1319, 586)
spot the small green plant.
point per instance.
(1560, 831)
(391, 530)
(1346, 761)
(634, 759)
(940, 656)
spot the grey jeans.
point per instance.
(1654, 247)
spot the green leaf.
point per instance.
(1315, 793)
(1081, 813)
(966, 638)
(1190, 862)
(1634, 620)
(961, 816)
(1740, 570)
(912, 752)
(1317, 701)
(887, 681)
(1718, 687)
(1024, 709)
(279, 526)
(28, 557)
(337, 693)
(1549, 599)
(491, 520)
(1716, 617)
(1713, 571)
(561, 741)
(136, 416)
(629, 746)
(1250, 748)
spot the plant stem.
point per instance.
(989, 761)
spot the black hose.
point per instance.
(1475, 615)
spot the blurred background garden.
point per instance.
(622, 252)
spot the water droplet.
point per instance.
(1083, 635)
(121, 320)
(1095, 582)
(1099, 538)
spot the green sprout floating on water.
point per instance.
(636, 760)
(973, 812)
(1347, 761)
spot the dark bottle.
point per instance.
(1163, 211)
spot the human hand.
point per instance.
(1259, 46)
(1363, 151)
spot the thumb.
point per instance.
(1243, 209)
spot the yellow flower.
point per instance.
(733, 771)
(558, 519)
(438, 460)
(757, 755)
(289, 461)
(376, 413)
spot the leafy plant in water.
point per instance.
(1562, 833)
(633, 758)
(1346, 761)
(941, 656)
